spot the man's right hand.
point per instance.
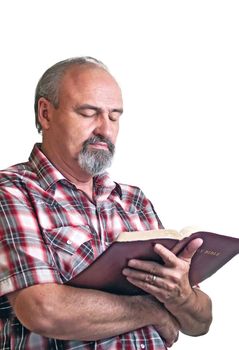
(169, 333)
(165, 323)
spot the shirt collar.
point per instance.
(104, 186)
(48, 175)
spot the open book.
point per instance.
(105, 273)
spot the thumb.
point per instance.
(190, 249)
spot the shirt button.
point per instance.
(69, 242)
(142, 346)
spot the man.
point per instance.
(60, 210)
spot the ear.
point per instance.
(44, 113)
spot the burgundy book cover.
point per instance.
(106, 271)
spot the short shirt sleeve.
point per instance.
(24, 256)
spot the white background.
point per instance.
(177, 64)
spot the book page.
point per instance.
(188, 230)
(145, 235)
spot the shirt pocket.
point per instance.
(72, 249)
(129, 221)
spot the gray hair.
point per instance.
(48, 85)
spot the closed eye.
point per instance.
(89, 111)
(86, 111)
(114, 115)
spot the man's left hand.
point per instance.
(169, 283)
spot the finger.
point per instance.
(154, 290)
(151, 284)
(139, 275)
(190, 249)
(144, 276)
(140, 278)
(152, 267)
(168, 257)
(169, 333)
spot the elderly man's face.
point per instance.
(84, 128)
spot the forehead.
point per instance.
(90, 83)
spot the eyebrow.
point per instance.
(95, 108)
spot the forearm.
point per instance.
(194, 314)
(92, 315)
(71, 313)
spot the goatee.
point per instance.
(96, 161)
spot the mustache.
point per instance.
(98, 138)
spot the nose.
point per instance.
(104, 126)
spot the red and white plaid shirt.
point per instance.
(50, 231)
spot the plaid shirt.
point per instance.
(50, 231)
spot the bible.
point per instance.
(105, 273)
